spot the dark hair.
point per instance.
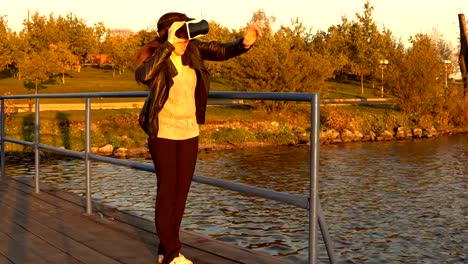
(164, 23)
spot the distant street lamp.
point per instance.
(383, 64)
(446, 63)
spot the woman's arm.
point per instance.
(217, 51)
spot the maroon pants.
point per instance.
(174, 161)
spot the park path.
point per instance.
(79, 106)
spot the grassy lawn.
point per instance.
(351, 89)
(92, 79)
(225, 124)
(89, 80)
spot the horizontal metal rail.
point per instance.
(300, 97)
(311, 202)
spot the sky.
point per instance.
(405, 18)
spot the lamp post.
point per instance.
(383, 64)
(446, 63)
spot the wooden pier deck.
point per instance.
(52, 227)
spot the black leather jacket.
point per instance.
(158, 70)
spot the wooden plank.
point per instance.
(59, 205)
(16, 252)
(51, 198)
(26, 185)
(79, 251)
(4, 260)
(190, 239)
(207, 257)
(21, 243)
(114, 245)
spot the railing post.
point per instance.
(325, 234)
(89, 209)
(37, 141)
(2, 139)
(314, 169)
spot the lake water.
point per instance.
(385, 202)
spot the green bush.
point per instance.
(120, 129)
(282, 136)
(233, 136)
(335, 118)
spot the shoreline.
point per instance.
(109, 150)
(213, 146)
(207, 147)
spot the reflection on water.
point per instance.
(384, 202)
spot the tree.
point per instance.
(356, 47)
(6, 56)
(416, 84)
(386, 47)
(281, 61)
(38, 67)
(99, 33)
(222, 34)
(80, 38)
(332, 46)
(121, 45)
(20, 48)
(362, 44)
(143, 36)
(63, 57)
(40, 32)
(64, 41)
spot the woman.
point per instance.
(173, 69)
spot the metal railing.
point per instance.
(310, 203)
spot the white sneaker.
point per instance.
(181, 260)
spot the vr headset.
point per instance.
(193, 29)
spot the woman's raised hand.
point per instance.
(171, 37)
(251, 35)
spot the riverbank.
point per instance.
(117, 133)
(326, 137)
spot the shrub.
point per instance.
(120, 129)
(335, 118)
(233, 136)
(10, 109)
(283, 135)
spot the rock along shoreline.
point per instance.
(330, 136)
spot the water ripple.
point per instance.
(384, 202)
